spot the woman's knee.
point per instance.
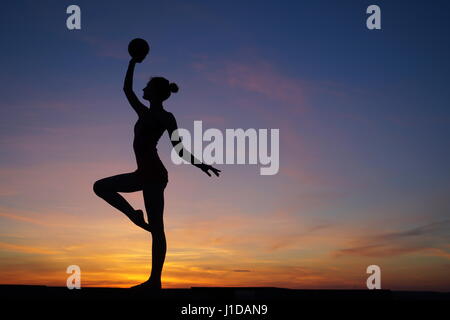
(99, 187)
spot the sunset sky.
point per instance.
(364, 124)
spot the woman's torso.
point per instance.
(147, 131)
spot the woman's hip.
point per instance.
(152, 177)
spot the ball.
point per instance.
(138, 48)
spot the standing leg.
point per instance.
(109, 188)
(154, 205)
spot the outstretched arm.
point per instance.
(177, 144)
(128, 89)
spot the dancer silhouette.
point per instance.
(151, 176)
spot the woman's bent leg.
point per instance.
(109, 188)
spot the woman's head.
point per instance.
(159, 89)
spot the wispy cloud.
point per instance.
(24, 219)
(107, 48)
(428, 229)
(426, 240)
(257, 76)
(26, 249)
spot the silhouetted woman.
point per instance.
(151, 175)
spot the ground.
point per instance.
(170, 302)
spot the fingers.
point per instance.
(206, 169)
(215, 171)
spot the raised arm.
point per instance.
(172, 129)
(138, 106)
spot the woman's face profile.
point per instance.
(148, 92)
(155, 92)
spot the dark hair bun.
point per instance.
(173, 87)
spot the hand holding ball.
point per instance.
(138, 49)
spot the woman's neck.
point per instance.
(156, 106)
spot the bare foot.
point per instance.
(150, 285)
(138, 219)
